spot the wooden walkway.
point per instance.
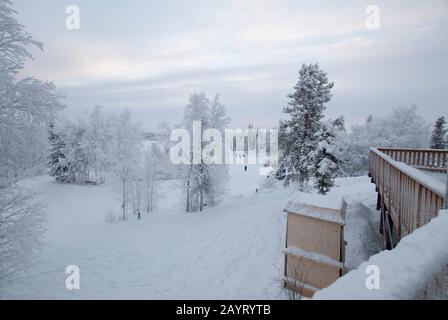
(407, 196)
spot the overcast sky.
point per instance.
(148, 56)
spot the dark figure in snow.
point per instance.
(245, 168)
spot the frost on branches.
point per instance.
(204, 182)
(402, 128)
(27, 107)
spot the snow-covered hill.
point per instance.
(228, 252)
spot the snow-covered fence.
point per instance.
(416, 269)
(410, 197)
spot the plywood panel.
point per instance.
(314, 235)
(310, 272)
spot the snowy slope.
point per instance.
(231, 251)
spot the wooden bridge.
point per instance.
(411, 188)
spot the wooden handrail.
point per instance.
(423, 158)
(412, 197)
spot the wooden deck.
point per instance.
(407, 196)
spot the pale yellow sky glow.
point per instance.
(249, 51)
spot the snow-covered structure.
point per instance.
(314, 251)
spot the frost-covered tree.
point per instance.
(27, 107)
(203, 181)
(75, 153)
(126, 150)
(14, 41)
(81, 150)
(297, 135)
(56, 158)
(152, 166)
(326, 157)
(98, 137)
(402, 128)
(438, 136)
(22, 220)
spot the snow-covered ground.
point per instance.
(231, 251)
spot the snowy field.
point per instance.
(232, 251)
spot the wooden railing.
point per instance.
(426, 159)
(408, 198)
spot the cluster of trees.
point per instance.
(203, 182)
(318, 150)
(27, 107)
(104, 146)
(308, 145)
(401, 128)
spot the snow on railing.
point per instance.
(415, 268)
(422, 178)
(427, 159)
(411, 196)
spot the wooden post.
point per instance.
(378, 201)
(445, 202)
(382, 218)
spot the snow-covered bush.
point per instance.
(110, 217)
(268, 182)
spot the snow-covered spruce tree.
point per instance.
(297, 135)
(203, 182)
(27, 107)
(438, 136)
(326, 158)
(57, 167)
(75, 153)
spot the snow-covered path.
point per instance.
(231, 251)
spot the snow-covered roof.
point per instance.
(328, 208)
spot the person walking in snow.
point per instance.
(245, 168)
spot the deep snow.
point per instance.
(231, 251)
(405, 272)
